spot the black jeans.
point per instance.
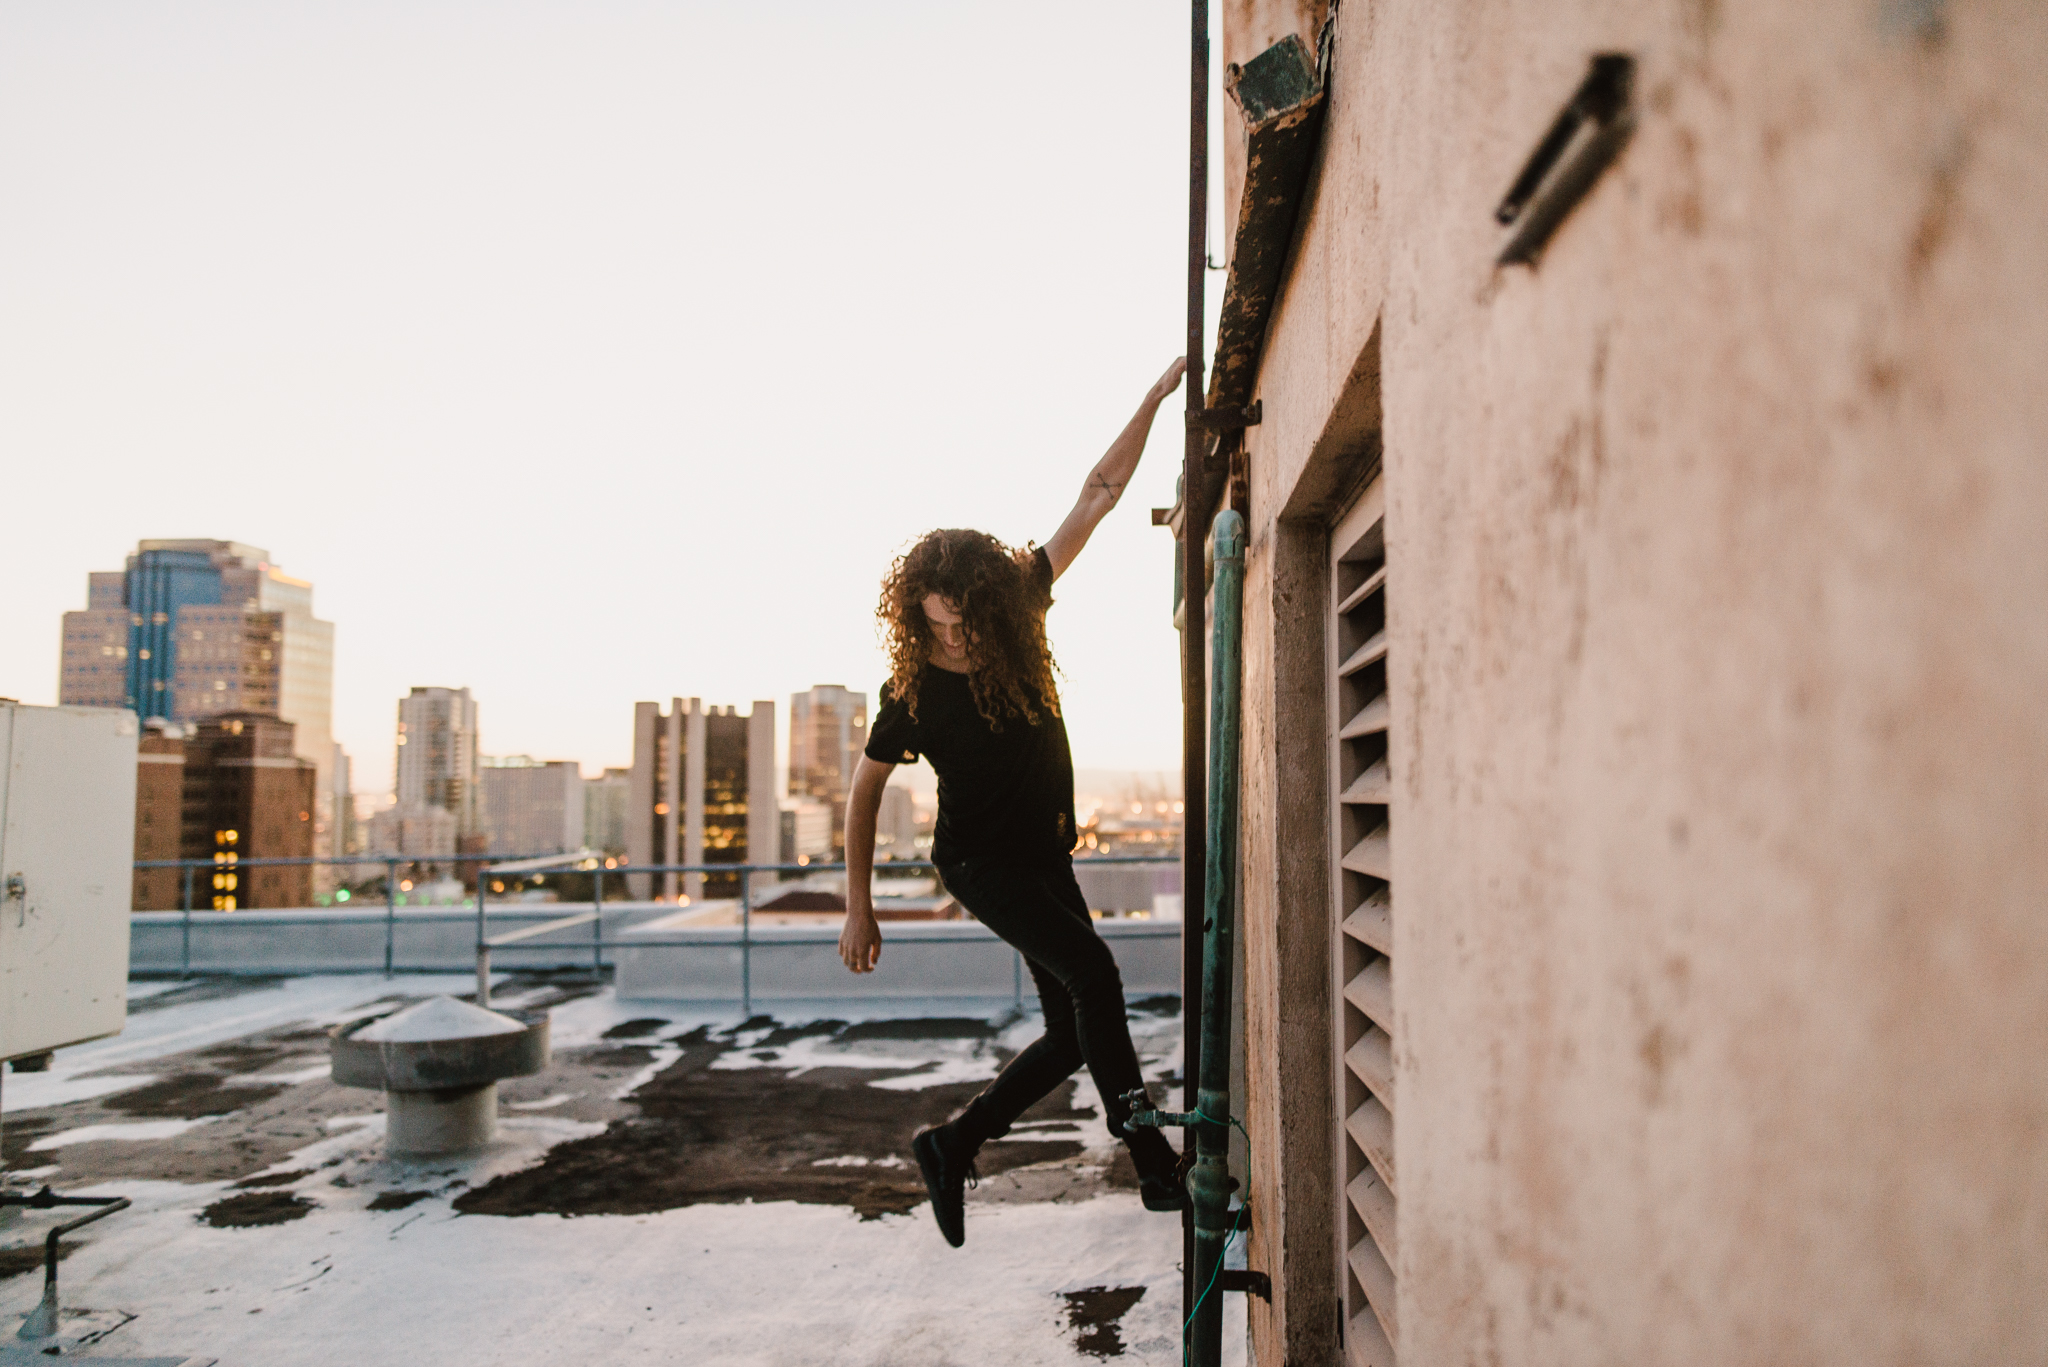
(1037, 908)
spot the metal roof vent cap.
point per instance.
(439, 1064)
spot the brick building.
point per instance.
(247, 796)
(160, 819)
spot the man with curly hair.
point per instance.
(971, 689)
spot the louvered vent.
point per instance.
(1365, 912)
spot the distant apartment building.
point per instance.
(160, 817)
(828, 729)
(605, 802)
(807, 834)
(896, 824)
(341, 800)
(248, 795)
(411, 833)
(531, 806)
(702, 791)
(437, 754)
(193, 629)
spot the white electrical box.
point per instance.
(67, 850)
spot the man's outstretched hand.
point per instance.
(1170, 381)
(860, 942)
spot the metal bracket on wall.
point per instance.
(1583, 141)
(1254, 1283)
(1227, 418)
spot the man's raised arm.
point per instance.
(1106, 481)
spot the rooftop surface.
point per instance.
(679, 1183)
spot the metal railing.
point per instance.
(538, 936)
(594, 917)
(392, 864)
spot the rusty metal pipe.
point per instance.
(1193, 670)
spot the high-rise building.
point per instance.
(604, 810)
(197, 629)
(702, 791)
(828, 729)
(437, 754)
(248, 795)
(530, 806)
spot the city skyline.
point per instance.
(390, 373)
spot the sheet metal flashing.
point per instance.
(1281, 95)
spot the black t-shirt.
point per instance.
(1007, 793)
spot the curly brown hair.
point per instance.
(990, 585)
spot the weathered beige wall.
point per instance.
(1720, 617)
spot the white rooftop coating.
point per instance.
(373, 1261)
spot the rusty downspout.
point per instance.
(1193, 665)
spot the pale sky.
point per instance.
(582, 353)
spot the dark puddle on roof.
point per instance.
(397, 1200)
(188, 1096)
(256, 1208)
(259, 1053)
(18, 1133)
(29, 1257)
(1094, 1314)
(705, 1136)
(635, 1029)
(938, 1027)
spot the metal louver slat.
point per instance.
(1361, 784)
(1378, 1280)
(1375, 649)
(1371, 922)
(1371, 718)
(1372, 1059)
(1365, 1343)
(1375, 1205)
(1371, 786)
(1372, 856)
(1371, 1127)
(1372, 992)
(1374, 582)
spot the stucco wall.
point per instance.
(1718, 585)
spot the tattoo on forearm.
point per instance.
(1102, 482)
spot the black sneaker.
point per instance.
(947, 1173)
(1164, 1191)
(1163, 1181)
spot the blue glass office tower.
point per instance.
(159, 582)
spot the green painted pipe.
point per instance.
(1209, 1180)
